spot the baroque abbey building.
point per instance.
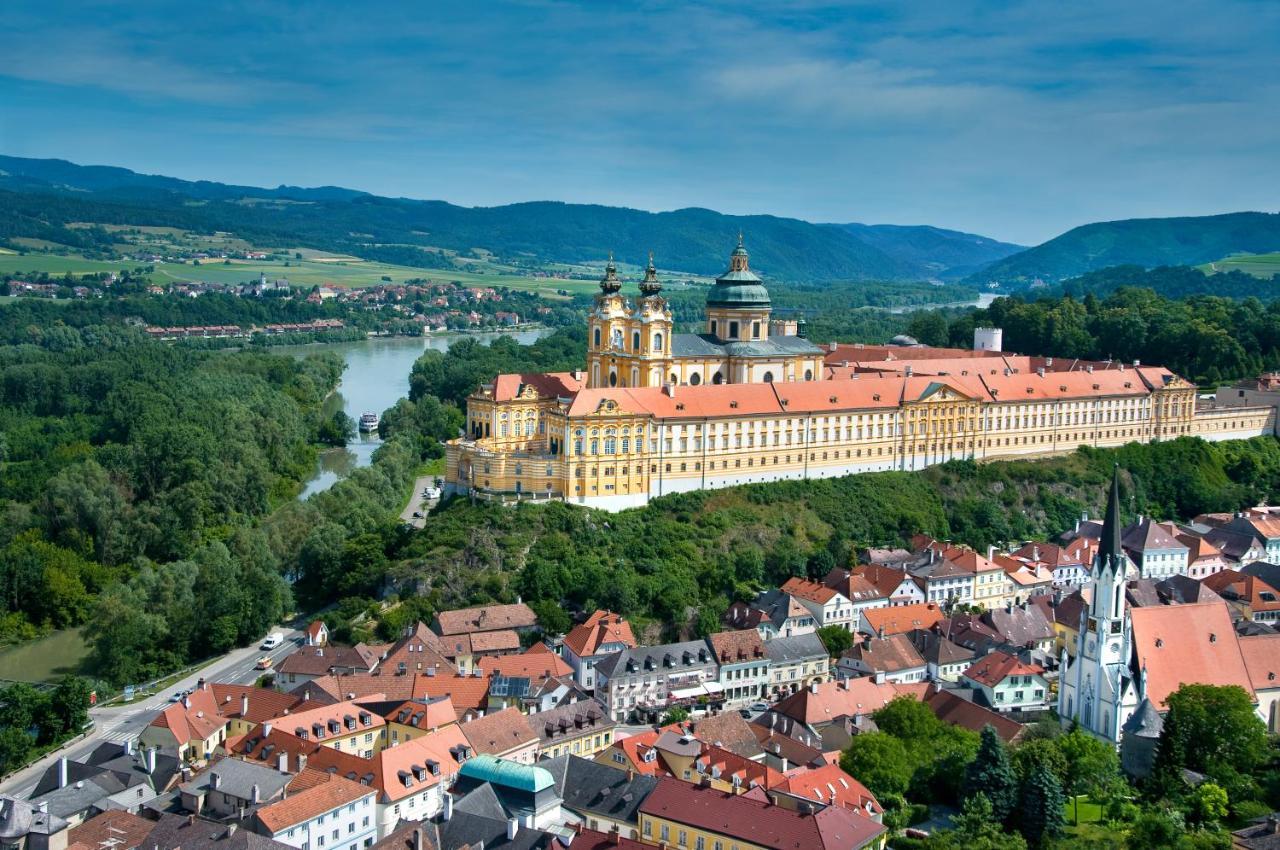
(750, 399)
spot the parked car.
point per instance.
(759, 706)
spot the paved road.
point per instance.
(418, 503)
(119, 723)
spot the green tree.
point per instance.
(69, 703)
(1089, 766)
(1040, 815)
(836, 639)
(676, 714)
(15, 748)
(975, 828)
(1212, 730)
(991, 774)
(878, 761)
(1208, 804)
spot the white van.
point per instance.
(273, 640)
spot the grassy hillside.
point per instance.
(1146, 242)
(418, 233)
(683, 558)
(1265, 266)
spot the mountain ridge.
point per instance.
(692, 239)
(1145, 242)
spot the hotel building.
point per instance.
(750, 399)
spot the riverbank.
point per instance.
(375, 376)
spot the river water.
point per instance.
(377, 375)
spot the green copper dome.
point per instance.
(739, 286)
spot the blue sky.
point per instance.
(1014, 120)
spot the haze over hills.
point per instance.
(410, 232)
(1147, 242)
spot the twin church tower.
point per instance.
(631, 344)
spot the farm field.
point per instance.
(315, 269)
(1258, 265)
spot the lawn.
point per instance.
(1089, 811)
(1258, 265)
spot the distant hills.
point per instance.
(414, 232)
(1146, 242)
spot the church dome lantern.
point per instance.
(739, 287)
(610, 283)
(650, 285)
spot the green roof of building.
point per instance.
(511, 774)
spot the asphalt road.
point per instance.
(119, 723)
(419, 503)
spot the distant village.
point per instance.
(426, 306)
(481, 730)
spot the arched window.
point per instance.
(626, 444)
(733, 330)
(713, 327)
(675, 379)
(597, 335)
(717, 378)
(635, 376)
(610, 445)
(502, 430)
(635, 341)
(595, 374)
(613, 379)
(617, 339)
(808, 374)
(657, 342)
(768, 377)
(695, 379)
(519, 469)
(595, 447)
(528, 427)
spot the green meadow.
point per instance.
(1258, 265)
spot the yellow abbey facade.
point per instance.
(750, 399)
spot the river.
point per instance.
(983, 301)
(377, 375)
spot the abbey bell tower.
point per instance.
(629, 345)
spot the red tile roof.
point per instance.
(536, 665)
(325, 796)
(195, 718)
(500, 732)
(485, 618)
(819, 705)
(111, 830)
(995, 667)
(735, 646)
(601, 628)
(831, 786)
(810, 590)
(1181, 644)
(1262, 660)
(900, 619)
(749, 819)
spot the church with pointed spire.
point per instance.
(1097, 688)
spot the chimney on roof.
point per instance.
(244, 705)
(128, 746)
(879, 677)
(417, 838)
(448, 807)
(214, 781)
(302, 762)
(62, 772)
(282, 762)
(149, 758)
(513, 826)
(813, 687)
(669, 389)
(186, 702)
(255, 794)
(991, 552)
